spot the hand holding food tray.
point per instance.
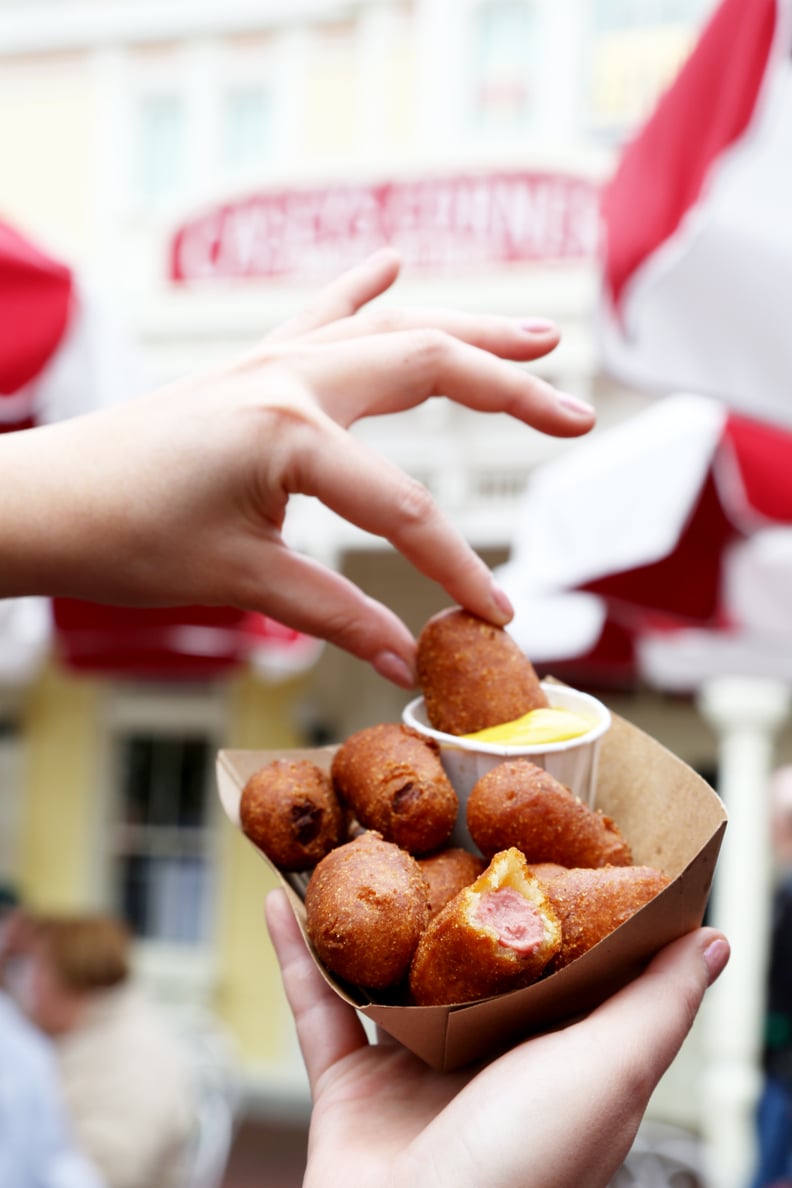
(671, 822)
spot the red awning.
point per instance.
(35, 302)
(697, 263)
(660, 549)
(180, 643)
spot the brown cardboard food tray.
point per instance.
(671, 818)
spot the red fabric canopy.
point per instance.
(174, 643)
(720, 568)
(661, 174)
(697, 239)
(35, 301)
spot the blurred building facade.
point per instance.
(127, 125)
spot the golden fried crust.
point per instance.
(447, 872)
(394, 782)
(591, 903)
(473, 674)
(366, 906)
(496, 935)
(519, 804)
(291, 812)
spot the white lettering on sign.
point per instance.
(434, 223)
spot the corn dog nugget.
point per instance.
(394, 782)
(448, 871)
(498, 934)
(290, 811)
(365, 907)
(520, 804)
(591, 903)
(473, 674)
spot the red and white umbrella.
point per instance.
(660, 549)
(63, 353)
(697, 270)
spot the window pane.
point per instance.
(247, 130)
(622, 14)
(161, 147)
(504, 47)
(636, 49)
(162, 869)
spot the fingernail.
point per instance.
(574, 404)
(380, 254)
(537, 325)
(716, 955)
(395, 669)
(503, 603)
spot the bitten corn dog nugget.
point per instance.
(520, 804)
(365, 907)
(496, 935)
(394, 782)
(473, 674)
(291, 812)
(591, 903)
(448, 871)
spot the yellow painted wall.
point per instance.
(47, 131)
(630, 67)
(59, 811)
(249, 996)
(331, 116)
(401, 112)
(61, 828)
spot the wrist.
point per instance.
(46, 516)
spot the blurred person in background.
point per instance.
(774, 1115)
(37, 1148)
(124, 1076)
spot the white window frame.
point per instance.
(174, 972)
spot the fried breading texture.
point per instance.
(520, 804)
(394, 783)
(289, 809)
(473, 674)
(591, 903)
(366, 906)
(498, 934)
(448, 871)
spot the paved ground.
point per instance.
(267, 1155)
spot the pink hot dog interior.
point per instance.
(517, 922)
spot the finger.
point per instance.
(344, 296)
(520, 339)
(661, 1004)
(388, 373)
(386, 502)
(328, 1029)
(602, 1071)
(300, 593)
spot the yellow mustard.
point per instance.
(536, 727)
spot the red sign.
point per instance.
(434, 223)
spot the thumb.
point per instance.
(328, 1029)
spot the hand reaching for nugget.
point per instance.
(180, 496)
(558, 1111)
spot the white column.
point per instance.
(113, 180)
(746, 714)
(441, 31)
(378, 31)
(292, 63)
(203, 96)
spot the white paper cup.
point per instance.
(573, 762)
